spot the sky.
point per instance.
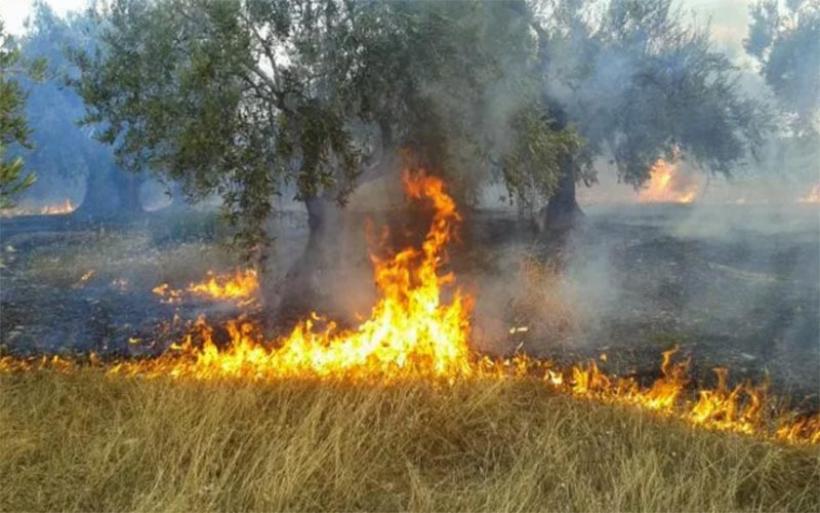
(729, 17)
(14, 12)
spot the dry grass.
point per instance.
(84, 442)
(131, 256)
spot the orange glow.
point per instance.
(240, 286)
(167, 294)
(668, 185)
(419, 329)
(64, 207)
(813, 196)
(410, 332)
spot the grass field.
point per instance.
(86, 442)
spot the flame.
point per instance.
(668, 185)
(419, 329)
(813, 196)
(411, 331)
(240, 286)
(64, 207)
(167, 294)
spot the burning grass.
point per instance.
(240, 286)
(130, 255)
(419, 330)
(84, 442)
(397, 412)
(60, 208)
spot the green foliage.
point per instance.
(62, 150)
(785, 39)
(199, 91)
(249, 98)
(641, 83)
(13, 127)
(538, 150)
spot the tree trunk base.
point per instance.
(562, 218)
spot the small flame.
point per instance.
(668, 185)
(239, 285)
(167, 294)
(419, 329)
(813, 196)
(64, 207)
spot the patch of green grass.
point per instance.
(87, 442)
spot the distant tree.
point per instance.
(640, 83)
(785, 39)
(14, 130)
(63, 149)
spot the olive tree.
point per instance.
(249, 98)
(640, 83)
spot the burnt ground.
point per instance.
(732, 286)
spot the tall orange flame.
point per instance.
(414, 332)
(411, 331)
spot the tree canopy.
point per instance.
(14, 130)
(246, 97)
(250, 98)
(642, 83)
(785, 39)
(62, 148)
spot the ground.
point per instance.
(732, 286)
(738, 288)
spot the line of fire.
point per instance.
(473, 255)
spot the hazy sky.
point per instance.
(14, 12)
(729, 17)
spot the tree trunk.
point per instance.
(110, 193)
(562, 212)
(305, 288)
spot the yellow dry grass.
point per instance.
(86, 442)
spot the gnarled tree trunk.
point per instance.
(305, 288)
(562, 212)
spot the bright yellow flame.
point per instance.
(240, 285)
(419, 329)
(668, 185)
(411, 330)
